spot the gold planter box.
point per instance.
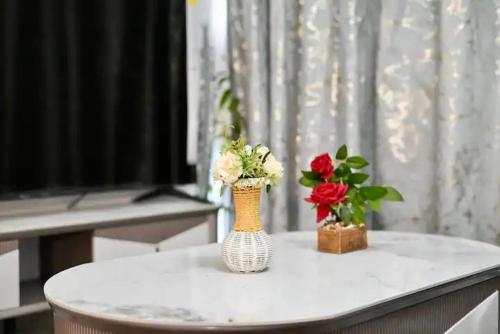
(342, 240)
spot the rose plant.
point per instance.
(338, 193)
(246, 166)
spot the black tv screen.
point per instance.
(92, 94)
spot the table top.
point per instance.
(191, 286)
(168, 207)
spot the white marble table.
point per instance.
(191, 290)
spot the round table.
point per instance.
(399, 276)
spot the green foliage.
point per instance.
(342, 170)
(226, 95)
(341, 153)
(359, 199)
(310, 179)
(311, 175)
(356, 162)
(265, 156)
(346, 215)
(375, 205)
(310, 183)
(351, 193)
(250, 158)
(357, 178)
(230, 103)
(222, 80)
(373, 192)
(358, 212)
(393, 195)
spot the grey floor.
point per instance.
(33, 324)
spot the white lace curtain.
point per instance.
(412, 85)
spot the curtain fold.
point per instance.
(412, 85)
(92, 94)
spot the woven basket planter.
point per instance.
(248, 247)
(342, 239)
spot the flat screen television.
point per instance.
(92, 96)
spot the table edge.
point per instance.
(334, 322)
(202, 209)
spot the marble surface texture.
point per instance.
(191, 286)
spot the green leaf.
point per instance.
(357, 162)
(342, 170)
(308, 182)
(222, 80)
(373, 192)
(345, 215)
(311, 175)
(358, 209)
(236, 127)
(358, 178)
(233, 105)
(351, 193)
(358, 220)
(360, 197)
(341, 153)
(375, 205)
(358, 213)
(335, 179)
(236, 117)
(225, 97)
(265, 156)
(268, 188)
(392, 195)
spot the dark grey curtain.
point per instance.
(92, 93)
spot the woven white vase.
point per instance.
(247, 251)
(248, 247)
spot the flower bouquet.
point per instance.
(341, 201)
(247, 170)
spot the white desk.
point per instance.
(66, 239)
(169, 207)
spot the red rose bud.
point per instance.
(323, 165)
(326, 194)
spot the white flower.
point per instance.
(273, 168)
(228, 168)
(262, 150)
(248, 149)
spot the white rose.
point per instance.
(228, 168)
(262, 150)
(272, 167)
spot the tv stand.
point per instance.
(66, 239)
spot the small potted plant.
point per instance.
(341, 201)
(247, 170)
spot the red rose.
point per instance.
(326, 194)
(323, 165)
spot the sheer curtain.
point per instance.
(412, 85)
